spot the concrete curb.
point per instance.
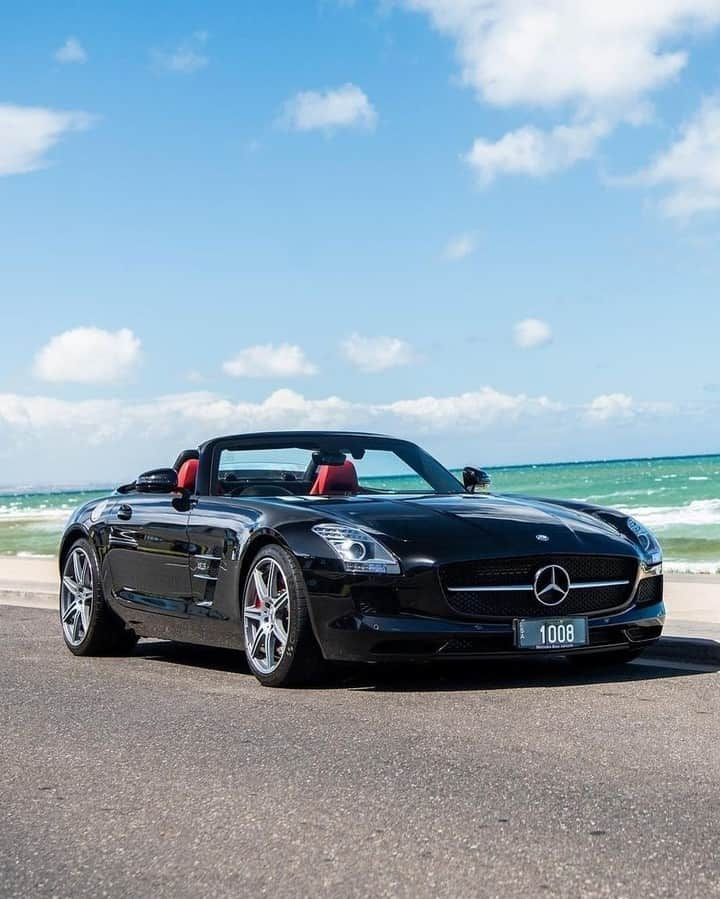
(686, 649)
(31, 599)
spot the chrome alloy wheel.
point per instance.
(266, 616)
(76, 596)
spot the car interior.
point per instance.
(336, 477)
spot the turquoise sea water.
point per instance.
(679, 498)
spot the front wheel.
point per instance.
(89, 626)
(280, 646)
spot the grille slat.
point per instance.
(504, 573)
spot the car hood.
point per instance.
(471, 526)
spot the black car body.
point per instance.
(463, 572)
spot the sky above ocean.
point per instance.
(491, 227)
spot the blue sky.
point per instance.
(489, 226)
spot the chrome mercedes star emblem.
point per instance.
(552, 585)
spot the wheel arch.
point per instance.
(76, 532)
(258, 539)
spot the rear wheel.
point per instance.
(280, 646)
(89, 625)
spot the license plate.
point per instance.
(551, 633)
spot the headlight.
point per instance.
(647, 541)
(360, 553)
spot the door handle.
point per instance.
(124, 512)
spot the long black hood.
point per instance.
(472, 526)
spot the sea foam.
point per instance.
(699, 512)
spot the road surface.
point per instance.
(173, 773)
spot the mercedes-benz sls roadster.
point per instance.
(304, 548)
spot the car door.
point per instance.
(217, 530)
(147, 560)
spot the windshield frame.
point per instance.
(439, 479)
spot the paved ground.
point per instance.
(172, 773)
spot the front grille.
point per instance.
(505, 604)
(650, 591)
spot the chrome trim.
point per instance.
(201, 556)
(206, 577)
(591, 584)
(130, 542)
(517, 589)
(586, 585)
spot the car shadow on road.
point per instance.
(506, 675)
(443, 676)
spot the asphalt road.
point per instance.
(173, 773)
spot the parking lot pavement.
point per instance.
(173, 773)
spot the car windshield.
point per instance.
(339, 467)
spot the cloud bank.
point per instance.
(595, 64)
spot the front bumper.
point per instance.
(349, 630)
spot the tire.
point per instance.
(89, 626)
(607, 659)
(280, 645)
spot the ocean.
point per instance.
(678, 498)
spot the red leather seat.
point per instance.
(188, 475)
(335, 479)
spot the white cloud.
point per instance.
(88, 356)
(530, 333)
(475, 410)
(620, 406)
(690, 168)
(186, 58)
(196, 411)
(375, 354)
(607, 55)
(343, 107)
(71, 51)
(199, 412)
(597, 62)
(269, 361)
(460, 247)
(28, 132)
(530, 151)
(608, 406)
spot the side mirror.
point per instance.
(474, 478)
(159, 480)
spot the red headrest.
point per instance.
(335, 479)
(188, 475)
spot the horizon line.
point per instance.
(69, 487)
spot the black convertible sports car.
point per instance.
(310, 546)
